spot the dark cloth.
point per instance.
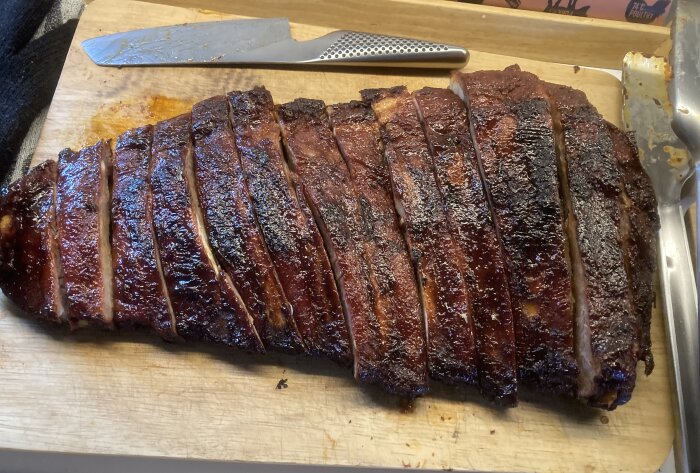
(29, 70)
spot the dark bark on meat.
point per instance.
(446, 125)
(322, 178)
(293, 241)
(639, 243)
(607, 354)
(30, 269)
(140, 296)
(506, 239)
(396, 302)
(82, 212)
(435, 254)
(206, 304)
(232, 229)
(514, 139)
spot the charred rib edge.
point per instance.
(289, 166)
(625, 237)
(482, 174)
(105, 237)
(487, 192)
(401, 212)
(433, 168)
(156, 248)
(191, 182)
(288, 305)
(582, 345)
(61, 302)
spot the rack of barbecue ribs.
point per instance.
(498, 233)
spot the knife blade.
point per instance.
(647, 111)
(265, 41)
(191, 43)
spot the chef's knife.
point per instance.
(265, 41)
(647, 112)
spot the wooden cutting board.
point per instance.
(131, 394)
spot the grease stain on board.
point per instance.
(114, 118)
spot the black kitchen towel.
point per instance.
(19, 20)
(29, 70)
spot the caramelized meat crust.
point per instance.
(288, 228)
(639, 237)
(232, 228)
(513, 136)
(396, 303)
(206, 304)
(446, 125)
(321, 175)
(82, 213)
(594, 190)
(436, 256)
(140, 296)
(30, 269)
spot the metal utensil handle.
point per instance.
(697, 228)
(681, 304)
(356, 47)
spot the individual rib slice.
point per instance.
(140, 296)
(639, 242)
(514, 140)
(606, 325)
(285, 221)
(82, 212)
(206, 304)
(322, 176)
(396, 301)
(231, 227)
(435, 254)
(446, 125)
(30, 270)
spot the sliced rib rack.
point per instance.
(499, 234)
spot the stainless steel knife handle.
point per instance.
(681, 304)
(355, 48)
(350, 48)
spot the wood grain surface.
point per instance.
(529, 34)
(131, 394)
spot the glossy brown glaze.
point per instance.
(322, 176)
(140, 296)
(82, 214)
(232, 228)
(435, 254)
(285, 221)
(594, 201)
(639, 241)
(206, 304)
(446, 124)
(513, 133)
(30, 270)
(396, 302)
